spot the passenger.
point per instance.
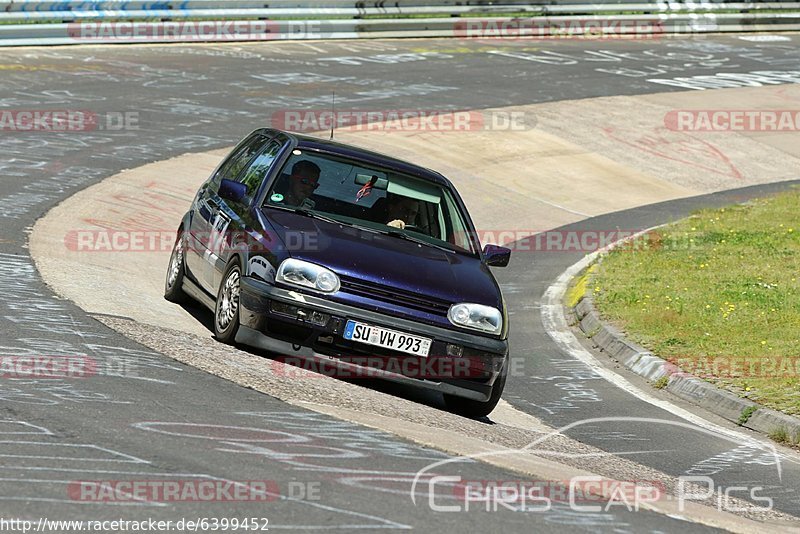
(401, 211)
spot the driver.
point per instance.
(301, 184)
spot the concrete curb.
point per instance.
(704, 394)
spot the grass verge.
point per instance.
(718, 295)
(578, 287)
(781, 435)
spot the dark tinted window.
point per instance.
(362, 194)
(259, 166)
(238, 160)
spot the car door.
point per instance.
(238, 216)
(209, 221)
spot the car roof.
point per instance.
(354, 152)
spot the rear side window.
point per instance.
(237, 162)
(259, 167)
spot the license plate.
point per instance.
(388, 339)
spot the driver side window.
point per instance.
(231, 169)
(258, 168)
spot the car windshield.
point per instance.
(377, 199)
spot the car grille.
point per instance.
(398, 297)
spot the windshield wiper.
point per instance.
(313, 214)
(407, 237)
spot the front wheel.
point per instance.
(173, 285)
(226, 312)
(472, 408)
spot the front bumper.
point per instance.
(311, 327)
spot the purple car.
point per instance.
(346, 262)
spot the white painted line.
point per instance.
(559, 206)
(38, 430)
(70, 501)
(764, 38)
(555, 324)
(34, 446)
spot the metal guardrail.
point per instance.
(35, 10)
(37, 22)
(291, 7)
(54, 5)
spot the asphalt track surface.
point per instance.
(561, 393)
(161, 420)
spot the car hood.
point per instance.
(386, 260)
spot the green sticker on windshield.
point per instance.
(276, 197)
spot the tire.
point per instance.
(176, 271)
(474, 409)
(226, 311)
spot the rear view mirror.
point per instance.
(496, 256)
(234, 191)
(377, 182)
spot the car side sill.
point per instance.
(194, 291)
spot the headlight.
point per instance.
(477, 317)
(310, 275)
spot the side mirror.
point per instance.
(234, 191)
(496, 256)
